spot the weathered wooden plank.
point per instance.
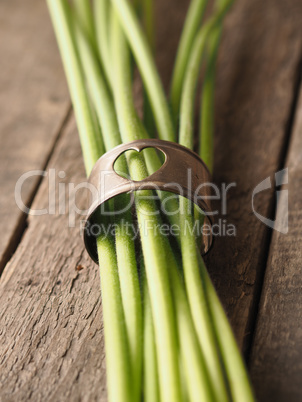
(33, 104)
(257, 73)
(51, 345)
(255, 90)
(276, 362)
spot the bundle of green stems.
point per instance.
(167, 337)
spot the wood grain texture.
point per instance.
(257, 71)
(257, 74)
(51, 344)
(33, 104)
(276, 362)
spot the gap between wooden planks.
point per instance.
(276, 361)
(256, 85)
(33, 106)
(51, 343)
(51, 330)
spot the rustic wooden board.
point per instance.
(51, 344)
(33, 104)
(276, 362)
(257, 74)
(258, 67)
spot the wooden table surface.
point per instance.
(51, 335)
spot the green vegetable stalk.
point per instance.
(166, 335)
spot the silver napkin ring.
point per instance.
(171, 177)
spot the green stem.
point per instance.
(139, 131)
(236, 371)
(145, 62)
(199, 304)
(91, 143)
(192, 73)
(107, 116)
(192, 23)
(151, 385)
(152, 243)
(195, 367)
(99, 91)
(120, 287)
(148, 23)
(132, 301)
(116, 346)
(117, 353)
(195, 289)
(207, 102)
(102, 15)
(85, 18)
(124, 244)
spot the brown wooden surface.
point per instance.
(33, 105)
(51, 345)
(257, 77)
(276, 362)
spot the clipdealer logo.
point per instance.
(57, 200)
(280, 223)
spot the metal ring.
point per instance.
(172, 175)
